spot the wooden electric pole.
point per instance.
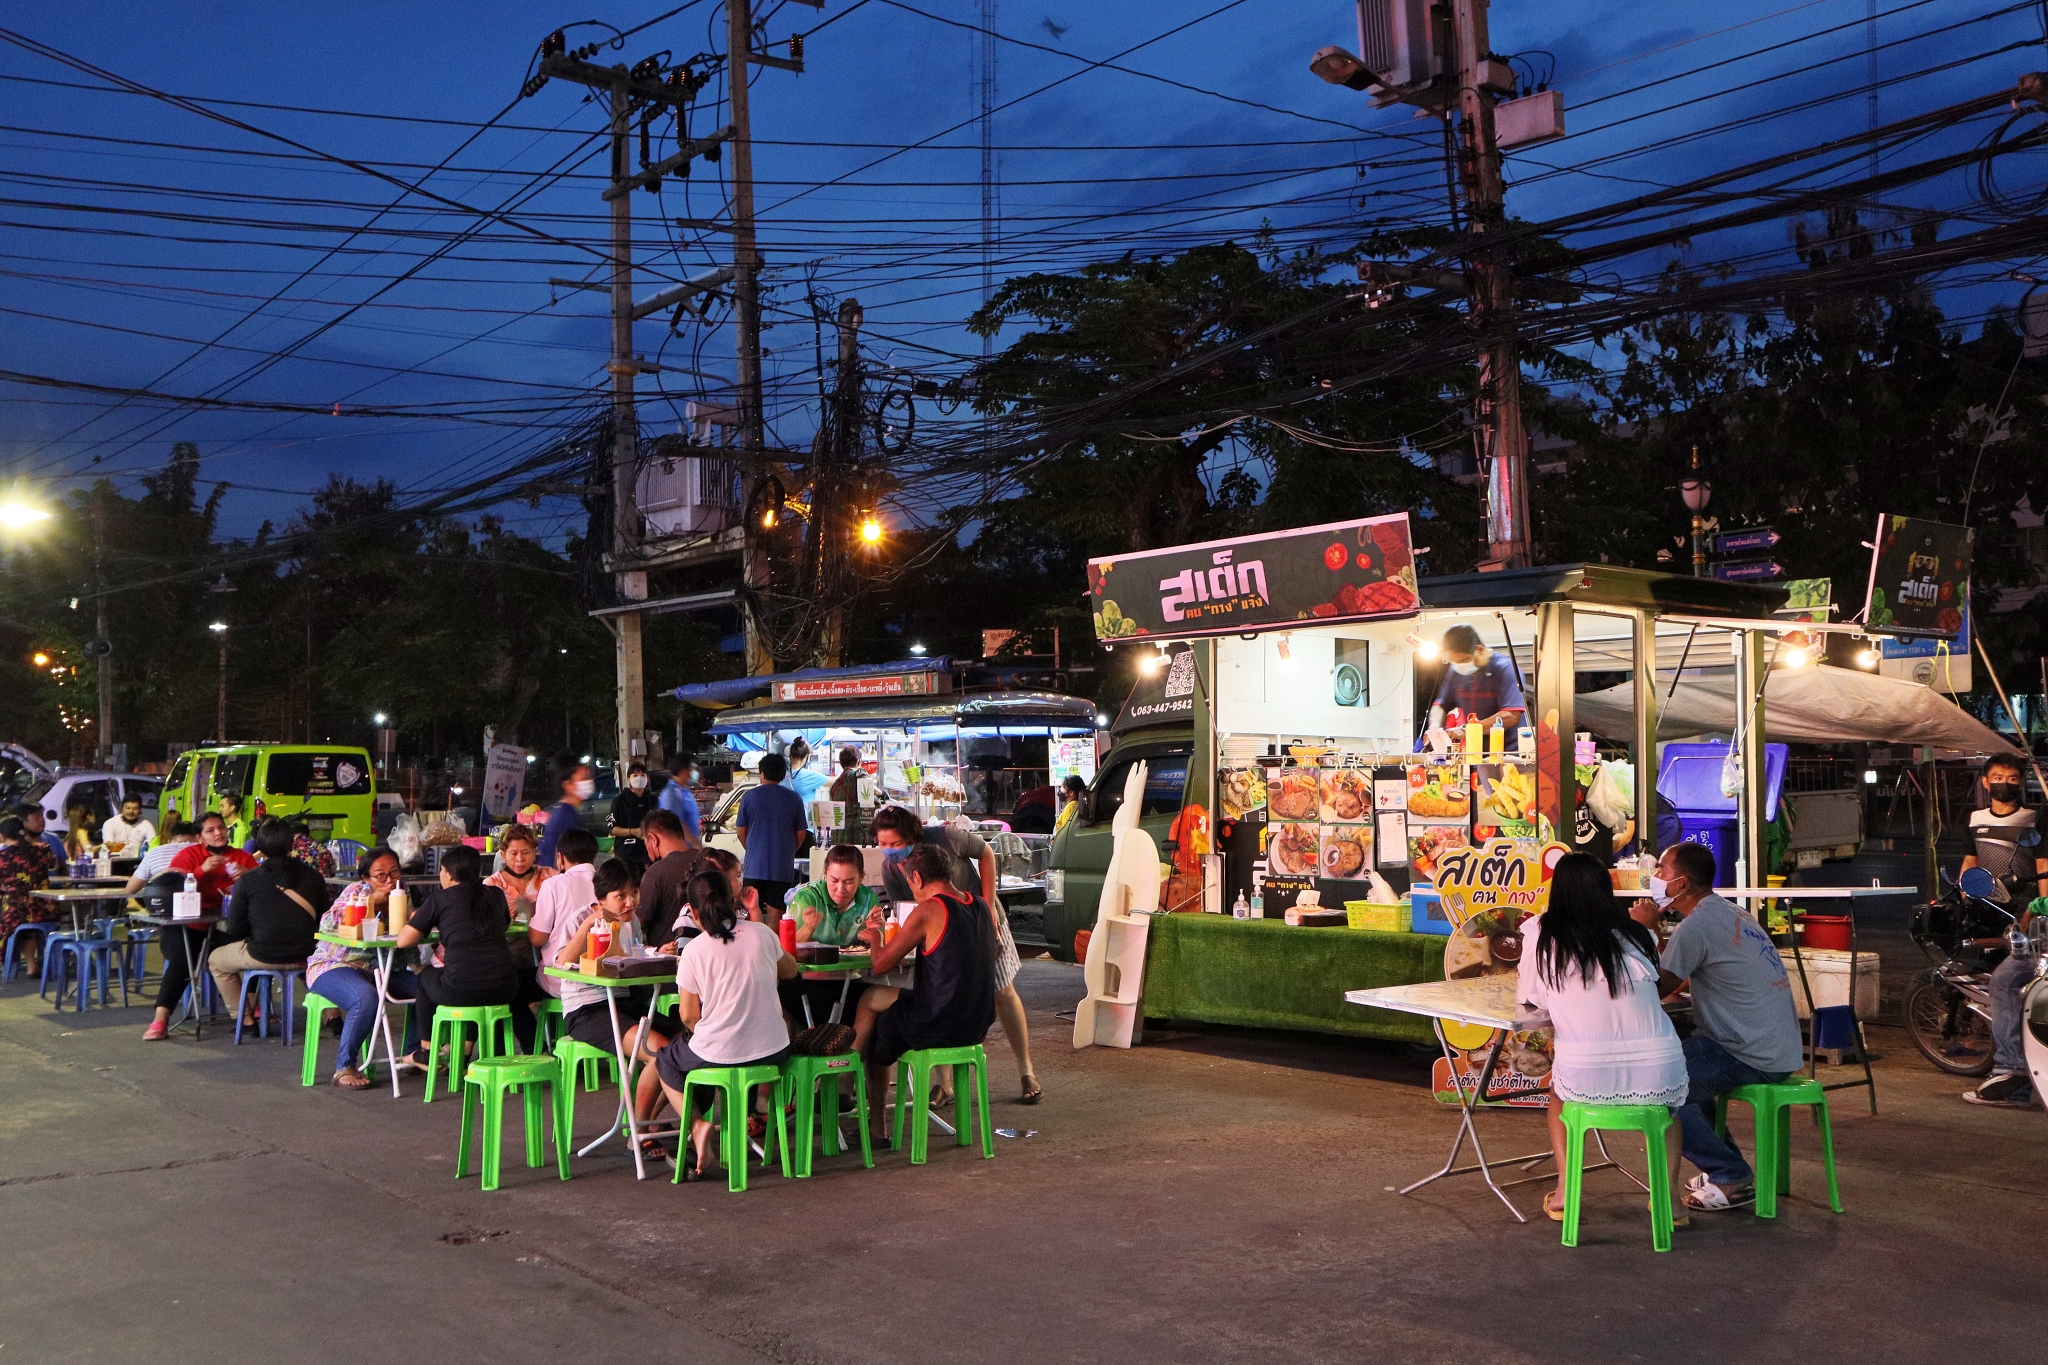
(1501, 438)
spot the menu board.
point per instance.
(1488, 891)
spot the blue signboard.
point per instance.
(1749, 570)
(1746, 541)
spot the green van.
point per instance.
(330, 787)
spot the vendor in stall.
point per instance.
(1477, 681)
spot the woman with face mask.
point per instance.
(629, 808)
(1478, 682)
(578, 786)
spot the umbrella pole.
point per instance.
(1999, 688)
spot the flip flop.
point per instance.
(1555, 1215)
(348, 1078)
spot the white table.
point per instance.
(623, 1054)
(1486, 1002)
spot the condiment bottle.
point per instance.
(397, 910)
(1474, 738)
(785, 929)
(1497, 740)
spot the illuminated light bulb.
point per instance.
(1867, 657)
(870, 531)
(1796, 657)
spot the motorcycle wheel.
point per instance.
(1947, 1031)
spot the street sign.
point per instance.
(1747, 541)
(1749, 570)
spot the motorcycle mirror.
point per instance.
(1978, 883)
(2028, 838)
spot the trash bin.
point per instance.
(1690, 777)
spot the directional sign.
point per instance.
(1747, 541)
(1749, 570)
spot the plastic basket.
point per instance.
(1387, 919)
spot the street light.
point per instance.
(19, 516)
(220, 724)
(1338, 67)
(917, 651)
(379, 719)
(1697, 493)
(870, 530)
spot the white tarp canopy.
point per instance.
(1821, 705)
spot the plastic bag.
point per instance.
(405, 838)
(1731, 771)
(445, 831)
(1612, 799)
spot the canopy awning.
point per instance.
(1823, 705)
(970, 709)
(732, 691)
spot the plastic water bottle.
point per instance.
(191, 883)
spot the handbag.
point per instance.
(823, 1040)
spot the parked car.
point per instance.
(100, 793)
(330, 786)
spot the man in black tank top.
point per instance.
(953, 1003)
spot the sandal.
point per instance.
(1704, 1196)
(1556, 1215)
(348, 1078)
(1033, 1091)
(157, 1031)
(651, 1149)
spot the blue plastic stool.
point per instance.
(136, 946)
(285, 977)
(10, 966)
(50, 942)
(93, 959)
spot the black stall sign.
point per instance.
(1345, 571)
(1919, 575)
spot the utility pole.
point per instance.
(624, 367)
(103, 743)
(1502, 439)
(746, 284)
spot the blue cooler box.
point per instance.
(1427, 909)
(1690, 777)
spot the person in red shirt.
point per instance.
(216, 861)
(217, 864)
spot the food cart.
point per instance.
(931, 742)
(1301, 677)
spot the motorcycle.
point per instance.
(2034, 1010)
(1948, 1007)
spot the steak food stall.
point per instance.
(1308, 692)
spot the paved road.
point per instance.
(1215, 1196)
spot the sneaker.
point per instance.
(2008, 1088)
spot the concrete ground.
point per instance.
(1212, 1196)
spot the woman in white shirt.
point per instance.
(726, 976)
(1594, 971)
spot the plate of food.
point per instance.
(1292, 794)
(1344, 794)
(1347, 851)
(1428, 843)
(1434, 796)
(1490, 941)
(1244, 793)
(1295, 850)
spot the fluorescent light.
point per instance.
(1870, 777)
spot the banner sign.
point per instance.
(1919, 576)
(1168, 695)
(504, 780)
(923, 684)
(1345, 571)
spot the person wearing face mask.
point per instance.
(677, 798)
(629, 810)
(1478, 682)
(1995, 848)
(1745, 1031)
(577, 787)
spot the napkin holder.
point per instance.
(186, 905)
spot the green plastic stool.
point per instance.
(317, 1007)
(547, 1024)
(913, 1084)
(1653, 1121)
(802, 1076)
(493, 1024)
(487, 1081)
(1773, 1106)
(730, 1087)
(578, 1059)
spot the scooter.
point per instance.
(2034, 1005)
(1948, 1008)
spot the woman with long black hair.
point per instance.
(726, 978)
(476, 966)
(1594, 971)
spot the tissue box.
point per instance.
(185, 905)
